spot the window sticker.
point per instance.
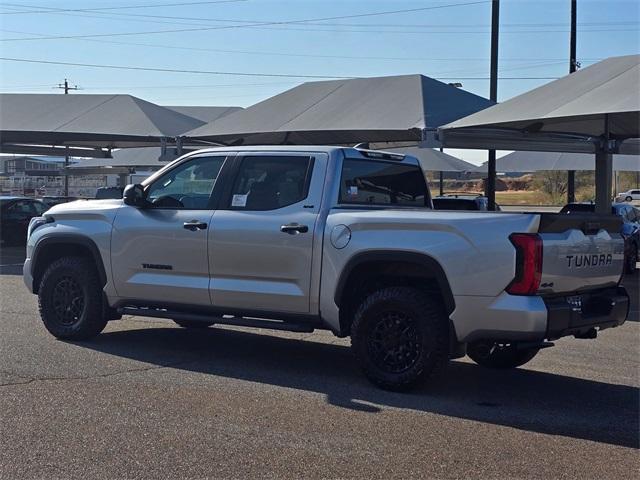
(353, 191)
(239, 200)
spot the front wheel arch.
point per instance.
(51, 247)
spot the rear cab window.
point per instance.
(382, 183)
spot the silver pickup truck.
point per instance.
(304, 238)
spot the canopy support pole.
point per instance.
(604, 177)
(573, 64)
(66, 171)
(441, 183)
(604, 171)
(493, 95)
(571, 186)
(122, 180)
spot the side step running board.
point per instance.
(237, 321)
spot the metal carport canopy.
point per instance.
(524, 161)
(346, 112)
(595, 110)
(127, 159)
(98, 121)
(434, 161)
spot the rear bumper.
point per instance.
(599, 309)
(514, 318)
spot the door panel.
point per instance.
(159, 253)
(254, 264)
(155, 258)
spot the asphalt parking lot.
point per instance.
(147, 399)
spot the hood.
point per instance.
(86, 207)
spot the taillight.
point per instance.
(528, 264)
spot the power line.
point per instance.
(279, 28)
(309, 22)
(168, 70)
(122, 7)
(287, 54)
(223, 27)
(243, 74)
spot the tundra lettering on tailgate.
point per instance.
(595, 260)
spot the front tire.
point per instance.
(70, 299)
(628, 199)
(400, 337)
(500, 355)
(191, 324)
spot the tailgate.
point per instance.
(581, 251)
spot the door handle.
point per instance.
(294, 228)
(194, 225)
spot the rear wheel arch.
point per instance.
(50, 248)
(369, 271)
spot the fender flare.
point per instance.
(68, 239)
(428, 262)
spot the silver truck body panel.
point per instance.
(155, 258)
(253, 265)
(90, 218)
(575, 261)
(472, 248)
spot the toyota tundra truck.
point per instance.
(300, 238)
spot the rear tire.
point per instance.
(70, 299)
(500, 355)
(192, 324)
(399, 337)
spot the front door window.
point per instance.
(188, 186)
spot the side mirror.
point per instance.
(134, 196)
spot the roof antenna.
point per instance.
(364, 145)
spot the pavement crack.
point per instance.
(28, 380)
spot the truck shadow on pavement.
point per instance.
(523, 399)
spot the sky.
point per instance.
(280, 44)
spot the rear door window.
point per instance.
(368, 182)
(271, 182)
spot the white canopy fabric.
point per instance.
(570, 114)
(103, 121)
(535, 161)
(346, 112)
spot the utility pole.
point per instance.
(493, 95)
(65, 86)
(573, 65)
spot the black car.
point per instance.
(103, 193)
(15, 214)
(462, 202)
(630, 228)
